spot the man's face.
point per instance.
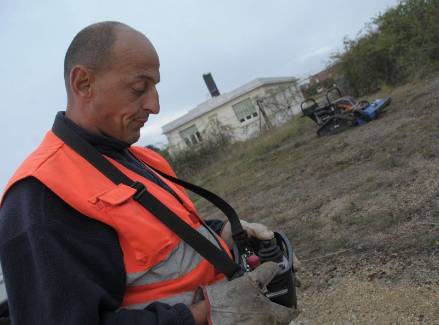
(125, 93)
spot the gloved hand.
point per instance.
(241, 301)
(259, 231)
(256, 230)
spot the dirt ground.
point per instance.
(361, 208)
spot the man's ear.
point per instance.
(81, 81)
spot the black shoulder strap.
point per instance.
(216, 256)
(238, 232)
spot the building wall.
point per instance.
(3, 296)
(275, 102)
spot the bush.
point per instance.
(189, 161)
(399, 45)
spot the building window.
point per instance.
(191, 136)
(245, 110)
(212, 118)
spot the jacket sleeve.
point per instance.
(61, 267)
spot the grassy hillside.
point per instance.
(361, 207)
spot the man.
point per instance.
(77, 249)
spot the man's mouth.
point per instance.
(142, 121)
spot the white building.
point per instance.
(243, 112)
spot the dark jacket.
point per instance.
(61, 267)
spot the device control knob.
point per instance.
(253, 261)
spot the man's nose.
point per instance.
(151, 102)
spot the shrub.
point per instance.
(398, 45)
(187, 162)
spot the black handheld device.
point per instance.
(282, 288)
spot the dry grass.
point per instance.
(378, 303)
(368, 189)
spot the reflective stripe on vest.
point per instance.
(158, 264)
(182, 260)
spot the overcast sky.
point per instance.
(236, 40)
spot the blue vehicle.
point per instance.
(342, 113)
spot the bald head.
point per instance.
(111, 71)
(92, 47)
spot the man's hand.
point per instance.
(241, 301)
(256, 230)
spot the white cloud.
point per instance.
(324, 50)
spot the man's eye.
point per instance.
(138, 91)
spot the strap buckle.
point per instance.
(140, 190)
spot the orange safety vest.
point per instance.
(159, 265)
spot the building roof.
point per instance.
(220, 100)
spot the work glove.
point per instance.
(241, 301)
(258, 231)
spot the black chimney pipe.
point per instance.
(210, 83)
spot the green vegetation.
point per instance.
(398, 45)
(189, 162)
(275, 138)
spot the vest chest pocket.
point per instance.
(142, 236)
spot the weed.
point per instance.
(338, 219)
(387, 160)
(360, 219)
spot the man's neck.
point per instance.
(95, 138)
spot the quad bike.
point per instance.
(342, 113)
